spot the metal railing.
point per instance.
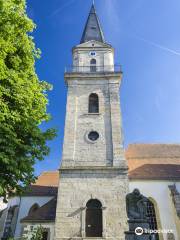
(93, 69)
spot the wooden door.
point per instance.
(94, 221)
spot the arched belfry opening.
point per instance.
(93, 65)
(93, 103)
(93, 218)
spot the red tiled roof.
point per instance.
(45, 185)
(49, 178)
(36, 190)
(156, 172)
(153, 151)
(140, 154)
(45, 213)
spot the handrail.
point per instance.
(93, 69)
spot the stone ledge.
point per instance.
(95, 169)
(91, 114)
(93, 238)
(82, 238)
(92, 74)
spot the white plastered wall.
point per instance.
(2, 204)
(104, 54)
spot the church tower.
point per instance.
(93, 174)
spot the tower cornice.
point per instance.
(93, 44)
(95, 169)
(107, 76)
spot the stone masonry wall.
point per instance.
(108, 149)
(76, 188)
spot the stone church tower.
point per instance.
(93, 175)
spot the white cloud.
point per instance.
(158, 45)
(110, 6)
(60, 9)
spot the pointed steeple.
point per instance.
(92, 30)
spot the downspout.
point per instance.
(18, 215)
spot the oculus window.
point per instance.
(93, 136)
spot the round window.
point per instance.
(93, 136)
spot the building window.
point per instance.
(152, 218)
(45, 235)
(92, 54)
(93, 65)
(93, 136)
(93, 218)
(93, 103)
(33, 208)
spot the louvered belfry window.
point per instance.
(93, 65)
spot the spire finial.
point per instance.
(93, 2)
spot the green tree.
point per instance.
(38, 233)
(23, 100)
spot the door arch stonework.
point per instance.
(83, 217)
(93, 219)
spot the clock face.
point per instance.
(92, 54)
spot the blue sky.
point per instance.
(146, 38)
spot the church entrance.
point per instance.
(93, 218)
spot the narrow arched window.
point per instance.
(93, 65)
(93, 218)
(93, 103)
(33, 208)
(151, 213)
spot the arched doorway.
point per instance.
(93, 218)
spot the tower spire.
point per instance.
(92, 30)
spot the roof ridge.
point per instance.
(150, 144)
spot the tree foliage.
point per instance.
(38, 233)
(23, 100)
